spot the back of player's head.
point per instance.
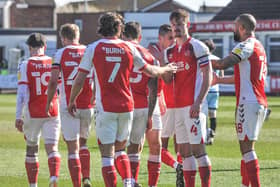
(179, 14)
(248, 21)
(210, 44)
(36, 40)
(109, 24)
(164, 29)
(69, 31)
(132, 30)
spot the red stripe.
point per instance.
(22, 83)
(55, 67)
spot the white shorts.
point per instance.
(189, 130)
(113, 126)
(168, 123)
(139, 125)
(75, 127)
(50, 128)
(156, 118)
(249, 119)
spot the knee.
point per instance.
(82, 142)
(134, 148)
(32, 150)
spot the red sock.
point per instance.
(189, 178)
(167, 158)
(205, 176)
(32, 170)
(153, 172)
(85, 161)
(244, 175)
(253, 170)
(54, 164)
(179, 158)
(74, 166)
(135, 167)
(122, 164)
(110, 176)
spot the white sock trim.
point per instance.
(73, 156)
(54, 154)
(30, 159)
(134, 157)
(204, 161)
(154, 158)
(119, 153)
(189, 164)
(83, 147)
(247, 157)
(107, 161)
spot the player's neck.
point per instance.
(37, 52)
(71, 42)
(248, 35)
(181, 40)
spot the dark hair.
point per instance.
(108, 24)
(210, 44)
(163, 29)
(178, 14)
(69, 31)
(36, 40)
(248, 21)
(132, 30)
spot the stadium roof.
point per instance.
(261, 9)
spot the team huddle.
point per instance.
(137, 94)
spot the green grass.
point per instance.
(224, 154)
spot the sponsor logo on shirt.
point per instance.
(237, 51)
(181, 66)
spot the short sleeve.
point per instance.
(57, 59)
(201, 52)
(22, 73)
(243, 50)
(87, 60)
(138, 61)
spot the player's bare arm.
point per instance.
(207, 79)
(226, 62)
(222, 80)
(156, 71)
(76, 89)
(153, 86)
(52, 87)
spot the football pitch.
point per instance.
(224, 153)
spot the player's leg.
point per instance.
(248, 131)
(182, 138)
(154, 142)
(167, 131)
(70, 129)
(31, 131)
(197, 136)
(51, 132)
(213, 102)
(106, 130)
(32, 163)
(176, 149)
(122, 161)
(136, 138)
(84, 153)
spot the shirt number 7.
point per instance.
(114, 72)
